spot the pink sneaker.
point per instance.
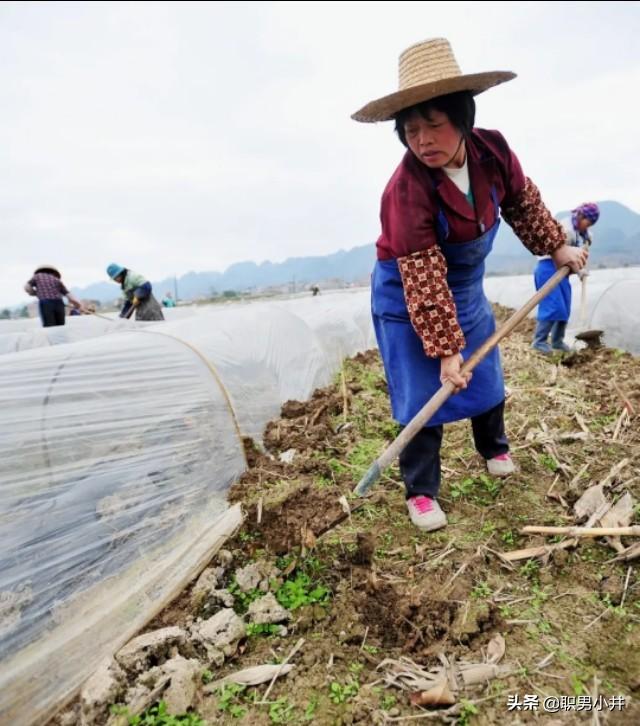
(425, 513)
(501, 465)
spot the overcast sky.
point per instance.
(171, 137)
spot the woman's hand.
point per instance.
(450, 371)
(574, 257)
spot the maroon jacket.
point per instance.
(409, 215)
(411, 198)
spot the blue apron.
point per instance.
(557, 304)
(412, 377)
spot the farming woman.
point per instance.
(46, 284)
(554, 310)
(137, 294)
(440, 214)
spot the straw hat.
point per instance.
(50, 269)
(427, 70)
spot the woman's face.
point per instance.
(434, 140)
(583, 224)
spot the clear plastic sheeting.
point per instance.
(115, 457)
(263, 356)
(76, 328)
(341, 320)
(19, 335)
(612, 303)
(617, 312)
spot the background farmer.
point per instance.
(46, 284)
(555, 309)
(137, 293)
(440, 214)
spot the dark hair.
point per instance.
(460, 109)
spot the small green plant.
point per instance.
(337, 467)
(387, 701)
(618, 610)
(158, 715)
(466, 712)
(488, 528)
(462, 488)
(489, 485)
(544, 626)
(207, 676)
(280, 711)
(242, 600)
(578, 687)
(482, 489)
(339, 693)
(509, 538)
(481, 590)
(548, 462)
(310, 710)
(256, 629)
(229, 699)
(299, 591)
(385, 542)
(530, 569)
(371, 649)
(540, 596)
(245, 537)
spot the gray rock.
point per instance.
(225, 558)
(102, 689)
(185, 677)
(268, 610)
(207, 582)
(256, 576)
(137, 653)
(220, 633)
(68, 718)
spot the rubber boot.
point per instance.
(557, 336)
(540, 337)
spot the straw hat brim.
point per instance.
(385, 108)
(48, 268)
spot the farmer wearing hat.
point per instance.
(46, 284)
(440, 214)
(137, 293)
(555, 309)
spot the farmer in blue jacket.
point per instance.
(555, 309)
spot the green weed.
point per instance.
(339, 693)
(299, 591)
(229, 700)
(158, 716)
(280, 711)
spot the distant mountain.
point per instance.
(616, 243)
(349, 266)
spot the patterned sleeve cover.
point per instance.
(532, 222)
(430, 304)
(431, 307)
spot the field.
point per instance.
(372, 612)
